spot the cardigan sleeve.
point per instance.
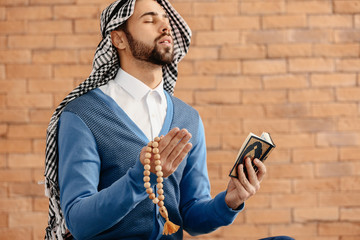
(88, 211)
(202, 214)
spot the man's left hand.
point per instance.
(242, 188)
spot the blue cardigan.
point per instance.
(100, 175)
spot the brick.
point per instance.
(334, 169)
(30, 100)
(290, 171)
(202, 53)
(186, 68)
(27, 131)
(41, 115)
(211, 38)
(77, 41)
(288, 110)
(29, 13)
(318, 155)
(12, 146)
(26, 219)
(350, 199)
(3, 220)
(26, 160)
(312, 125)
(349, 124)
(207, 111)
(243, 52)
(239, 82)
(10, 86)
(15, 56)
(260, 201)
(289, 50)
(215, 8)
(349, 153)
(87, 26)
(199, 23)
(70, 71)
(339, 228)
(236, 22)
(311, 95)
(26, 190)
(218, 67)
(285, 81)
(40, 204)
(15, 176)
(14, 115)
(352, 36)
(293, 200)
(28, 71)
(3, 132)
(316, 214)
(348, 94)
(336, 50)
(50, 85)
(14, 2)
(11, 27)
(53, 2)
(350, 214)
(337, 139)
(196, 82)
(50, 27)
(32, 42)
(86, 56)
(232, 142)
(316, 185)
(185, 95)
(222, 157)
(276, 186)
(248, 231)
(357, 21)
(183, 8)
(241, 111)
(263, 7)
(3, 42)
(55, 56)
(334, 109)
(273, 216)
(274, 96)
(222, 126)
(212, 141)
(264, 67)
(265, 37)
(348, 65)
(311, 36)
(267, 125)
(346, 6)
(309, 7)
(311, 65)
(333, 80)
(330, 21)
(284, 21)
(75, 12)
(16, 233)
(2, 13)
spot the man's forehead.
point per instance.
(148, 6)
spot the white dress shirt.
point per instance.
(146, 107)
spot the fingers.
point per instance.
(261, 169)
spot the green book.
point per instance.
(253, 147)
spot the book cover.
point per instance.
(253, 147)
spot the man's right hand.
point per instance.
(173, 148)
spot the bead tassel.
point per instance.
(152, 148)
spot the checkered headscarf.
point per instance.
(105, 66)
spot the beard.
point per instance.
(150, 53)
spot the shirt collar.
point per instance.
(136, 88)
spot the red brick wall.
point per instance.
(289, 67)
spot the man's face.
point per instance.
(148, 33)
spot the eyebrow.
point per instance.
(153, 14)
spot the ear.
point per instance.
(118, 39)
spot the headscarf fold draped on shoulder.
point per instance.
(105, 66)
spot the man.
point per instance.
(100, 132)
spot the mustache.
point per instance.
(163, 35)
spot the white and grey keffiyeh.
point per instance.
(105, 67)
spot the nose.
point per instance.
(166, 28)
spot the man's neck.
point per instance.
(150, 74)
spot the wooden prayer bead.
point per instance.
(157, 162)
(146, 161)
(160, 180)
(155, 144)
(147, 167)
(155, 201)
(159, 185)
(152, 196)
(158, 168)
(146, 179)
(157, 156)
(147, 185)
(149, 190)
(161, 197)
(160, 191)
(147, 155)
(159, 174)
(146, 173)
(161, 203)
(155, 150)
